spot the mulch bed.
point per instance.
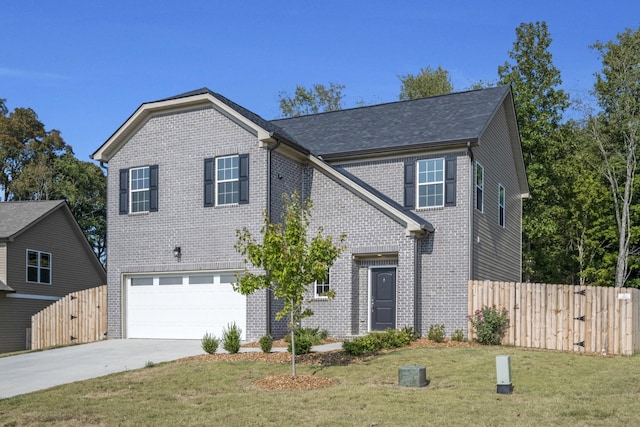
(327, 358)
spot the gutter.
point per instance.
(471, 210)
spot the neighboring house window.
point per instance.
(139, 189)
(322, 287)
(226, 180)
(435, 180)
(501, 203)
(479, 184)
(38, 267)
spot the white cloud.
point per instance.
(30, 75)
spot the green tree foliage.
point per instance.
(539, 105)
(616, 133)
(36, 164)
(290, 261)
(311, 101)
(428, 82)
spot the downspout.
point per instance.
(471, 208)
(269, 150)
(416, 281)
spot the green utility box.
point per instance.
(503, 374)
(412, 376)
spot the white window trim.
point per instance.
(139, 190)
(424, 184)
(502, 206)
(39, 268)
(479, 186)
(219, 181)
(327, 284)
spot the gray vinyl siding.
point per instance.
(178, 143)
(497, 249)
(74, 267)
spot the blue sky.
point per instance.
(85, 66)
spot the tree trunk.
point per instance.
(293, 347)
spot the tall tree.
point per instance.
(36, 164)
(539, 105)
(289, 260)
(428, 82)
(318, 98)
(24, 142)
(616, 133)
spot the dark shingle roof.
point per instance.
(17, 216)
(455, 117)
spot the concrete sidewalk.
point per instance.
(39, 370)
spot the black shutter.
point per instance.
(409, 185)
(124, 191)
(243, 179)
(209, 182)
(450, 182)
(153, 188)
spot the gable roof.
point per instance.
(263, 129)
(16, 217)
(422, 123)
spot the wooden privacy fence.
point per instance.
(563, 317)
(79, 317)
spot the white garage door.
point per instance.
(183, 306)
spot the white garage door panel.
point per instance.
(183, 311)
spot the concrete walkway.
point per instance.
(29, 372)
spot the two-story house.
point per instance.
(428, 192)
(43, 256)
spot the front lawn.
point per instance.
(551, 388)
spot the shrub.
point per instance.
(210, 343)
(457, 335)
(305, 339)
(376, 340)
(489, 325)
(436, 333)
(231, 338)
(266, 342)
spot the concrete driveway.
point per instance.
(39, 370)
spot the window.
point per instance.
(430, 183)
(436, 182)
(501, 203)
(38, 267)
(142, 281)
(322, 287)
(226, 180)
(139, 190)
(479, 184)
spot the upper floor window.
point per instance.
(479, 185)
(139, 189)
(38, 267)
(430, 183)
(226, 180)
(501, 205)
(435, 180)
(322, 287)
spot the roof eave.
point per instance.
(111, 146)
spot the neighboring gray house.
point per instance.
(429, 193)
(43, 256)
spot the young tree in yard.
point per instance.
(428, 82)
(616, 133)
(311, 101)
(290, 261)
(539, 105)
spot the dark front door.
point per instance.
(383, 299)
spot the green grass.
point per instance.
(551, 388)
